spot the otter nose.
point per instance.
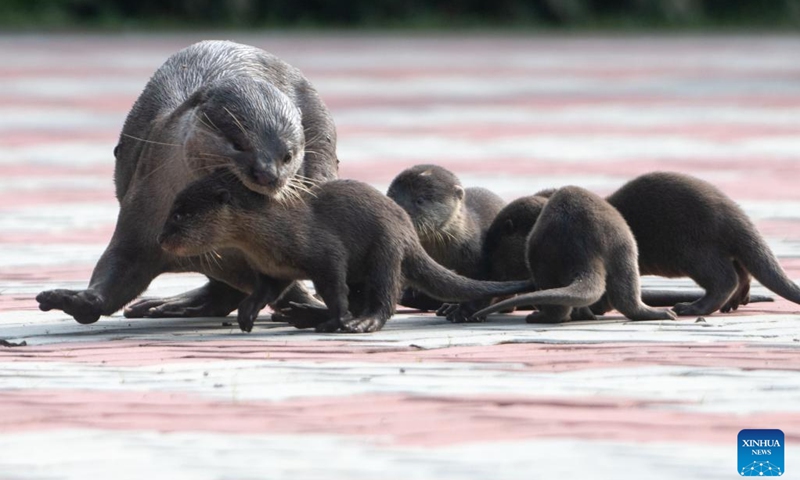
(265, 173)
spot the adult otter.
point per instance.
(686, 227)
(356, 245)
(580, 249)
(451, 221)
(212, 104)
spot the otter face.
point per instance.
(198, 219)
(251, 127)
(430, 195)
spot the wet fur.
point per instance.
(357, 246)
(213, 103)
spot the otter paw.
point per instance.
(363, 325)
(248, 312)
(689, 310)
(446, 308)
(582, 314)
(179, 306)
(302, 315)
(464, 314)
(734, 302)
(329, 326)
(85, 306)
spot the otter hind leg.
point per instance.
(742, 294)
(330, 281)
(719, 279)
(214, 299)
(624, 291)
(381, 296)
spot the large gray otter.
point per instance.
(357, 246)
(451, 221)
(212, 104)
(686, 227)
(579, 250)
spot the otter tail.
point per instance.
(582, 292)
(668, 298)
(754, 253)
(423, 273)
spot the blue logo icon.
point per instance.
(761, 453)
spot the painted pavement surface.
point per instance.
(423, 399)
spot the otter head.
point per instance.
(431, 195)
(203, 216)
(506, 239)
(249, 126)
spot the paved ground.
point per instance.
(422, 399)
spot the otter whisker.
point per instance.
(236, 120)
(300, 187)
(155, 170)
(212, 123)
(152, 141)
(203, 123)
(313, 181)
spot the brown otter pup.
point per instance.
(505, 244)
(580, 249)
(451, 221)
(356, 245)
(212, 104)
(686, 227)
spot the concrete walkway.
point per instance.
(422, 399)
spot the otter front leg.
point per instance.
(266, 290)
(124, 270)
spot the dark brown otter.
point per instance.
(212, 104)
(686, 227)
(356, 245)
(580, 249)
(506, 239)
(451, 221)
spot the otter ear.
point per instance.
(222, 197)
(460, 192)
(509, 226)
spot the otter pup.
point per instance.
(451, 221)
(686, 227)
(356, 245)
(580, 249)
(212, 104)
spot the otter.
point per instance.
(580, 249)
(505, 246)
(451, 222)
(355, 244)
(212, 104)
(686, 227)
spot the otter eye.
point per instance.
(116, 150)
(237, 146)
(420, 201)
(287, 158)
(177, 217)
